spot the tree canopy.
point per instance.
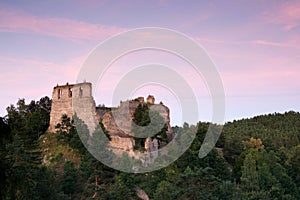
(256, 158)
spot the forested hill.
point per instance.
(271, 143)
(276, 130)
(257, 158)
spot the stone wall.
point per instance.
(73, 98)
(164, 112)
(118, 123)
(77, 98)
(121, 136)
(61, 104)
(84, 106)
(101, 110)
(124, 143)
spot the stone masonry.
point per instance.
(77, 98)
(61, 104)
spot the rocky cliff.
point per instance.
(118, 123)
(77, 98)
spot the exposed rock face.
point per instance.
(141, 99)
(101, 110)
(150, 99)
(125, 143)
(150, 145)
(141, 194)
(118, 122)
(77, 98)
(164, 112)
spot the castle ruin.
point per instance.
(70, 98)
(61, 104)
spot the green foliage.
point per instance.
(67, 133)
(262, 152)
(104, 130)
(143, 127)
(249, 175)
(275, 130)
(68, 184)
(45, 189)
(5, 138)
(124, 187)
(166, 190)
(141, 115)
(262, 174)
(227, 190)
(20, 152)
(190, 184)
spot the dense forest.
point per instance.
(257, 158)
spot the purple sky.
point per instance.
(254, 44)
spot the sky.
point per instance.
(255, 46)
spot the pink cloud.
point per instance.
(287, 15)
(290, 44)
(32, 79)
(210, 40)
(276, 44)
(18, 21)
(257, 83)
(271, 75)
(195, 21)
(21, 71)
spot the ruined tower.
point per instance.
(84, 105)
(61, 104)
(69, 98)
(77, 99)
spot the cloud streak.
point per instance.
(287, 15)
(17, 21)
(32, 79)
(275, 44)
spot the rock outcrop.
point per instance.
(118, 123)
(77, 98)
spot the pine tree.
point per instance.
(250, 184)
(69, 178)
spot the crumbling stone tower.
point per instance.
(64, 97)
(61, 104)
(77, 99)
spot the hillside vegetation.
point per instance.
(257, 158)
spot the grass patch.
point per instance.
(55, 153)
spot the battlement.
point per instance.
(62, 91)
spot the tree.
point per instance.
(23, 156)
(68, 184)
(45, 189)
(5, 138)
(156, 126)
(67, 133)
(227, 190)
(166, 190)
(250, 184)
(254, 143)
(124, 187)
(20, 173)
